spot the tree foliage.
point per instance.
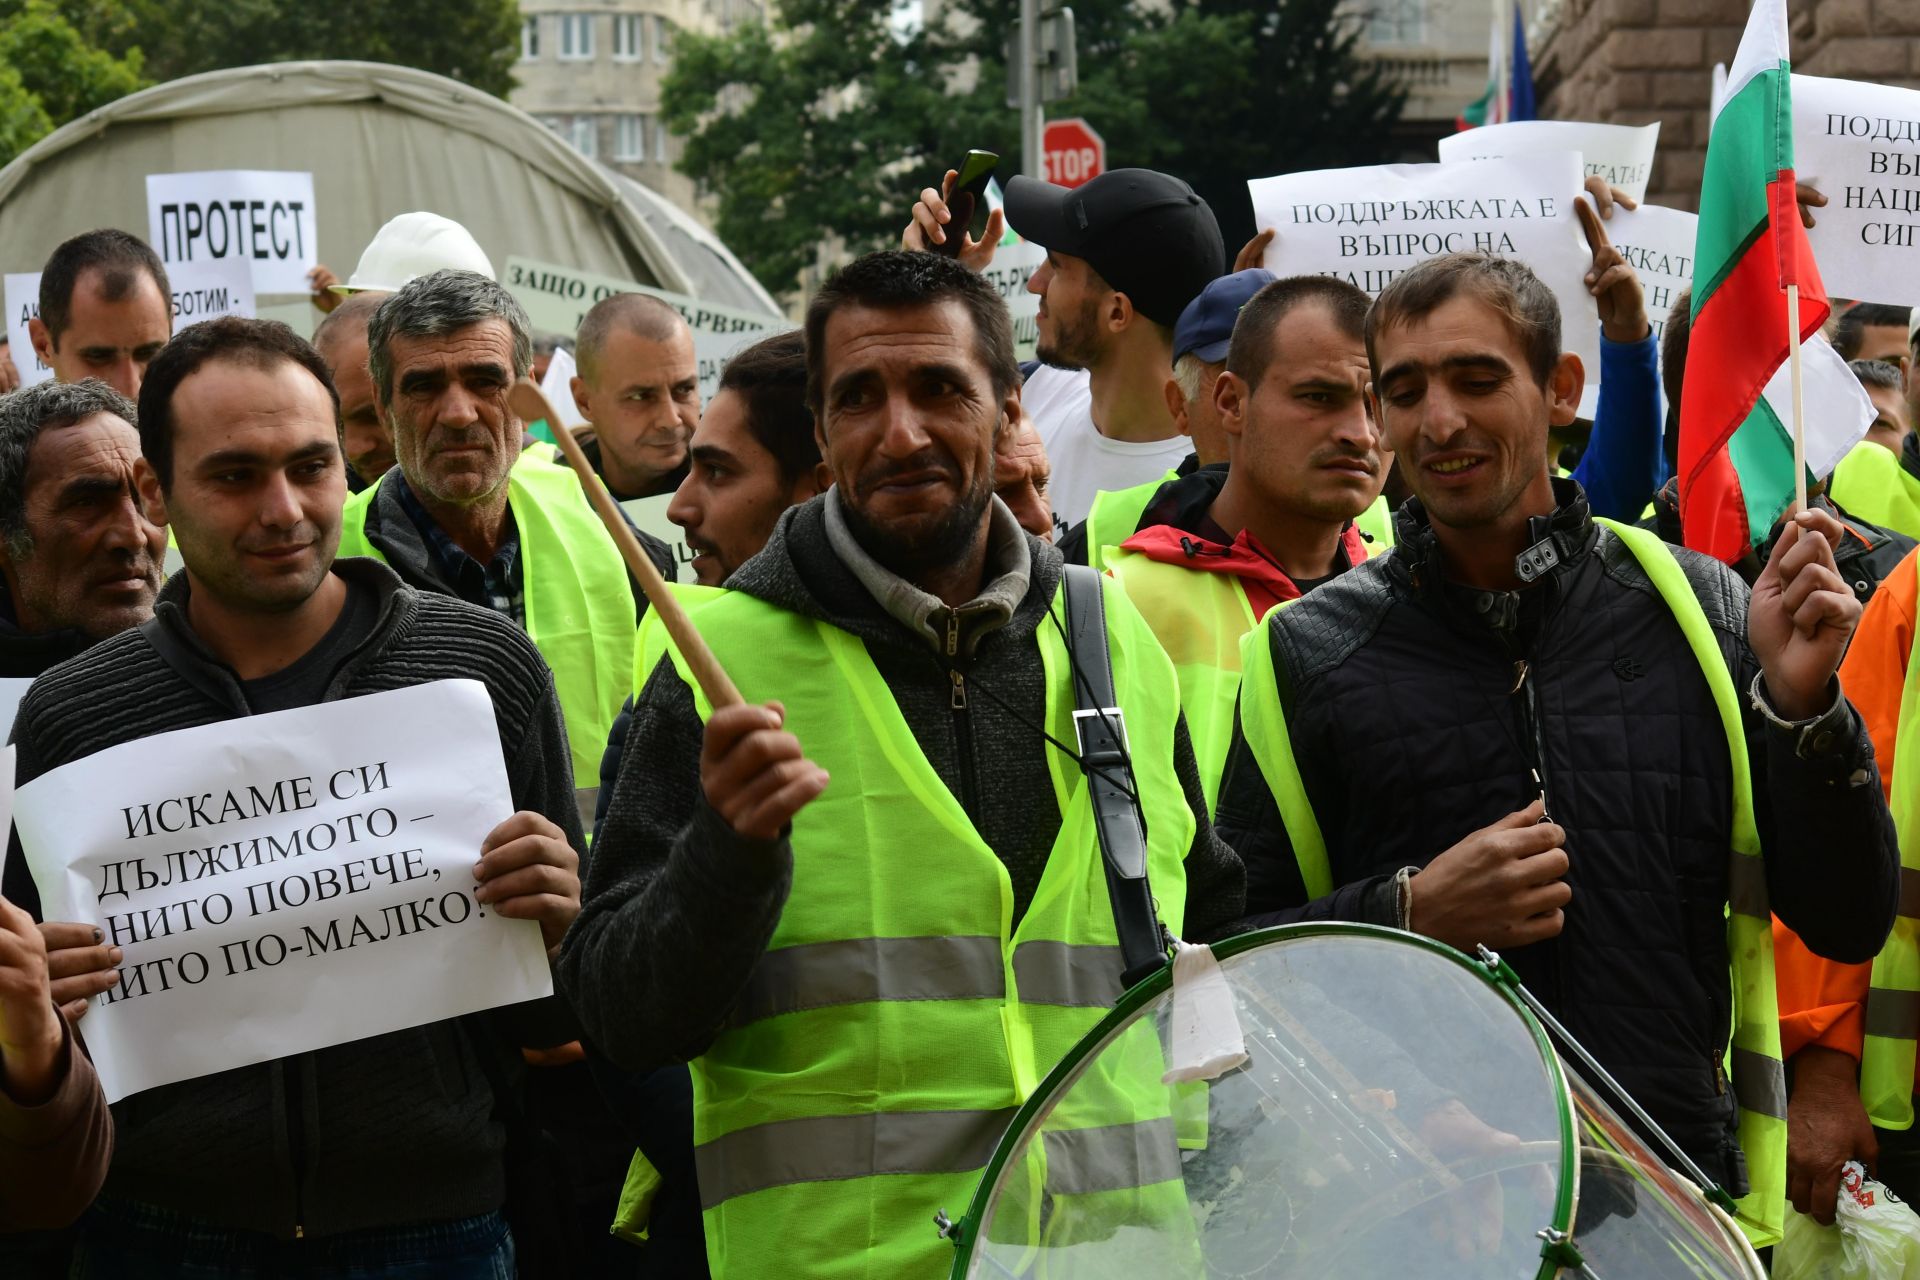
(62, 58)
(475, 41)
(825, 124)
(50, 72)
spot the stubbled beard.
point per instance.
(934, 545)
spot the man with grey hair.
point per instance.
(462, 514)
(81, 562)
(639, 386)
(78, 556)
(341, 340)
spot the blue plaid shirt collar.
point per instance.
(496, 585)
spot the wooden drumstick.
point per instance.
(527, 400)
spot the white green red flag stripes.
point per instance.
(1736, 451)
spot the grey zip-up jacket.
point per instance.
(678, 908)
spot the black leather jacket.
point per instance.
(1420, 711)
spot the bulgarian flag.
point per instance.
(1736, 444)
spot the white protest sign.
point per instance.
(1013, 265)
(1837, 409)
(284, 882)
(23, 304)
(649, 515)
(557, 387)
(1860, 145)
(558, 298)
(12, 689)
(264, 218)
(1621, 154)
(207, 290)
(6, 804)
(1368, 225)
(1658, 244)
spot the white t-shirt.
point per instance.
(1060, 402)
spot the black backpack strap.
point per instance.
(1101, 729)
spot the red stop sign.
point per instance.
(1073, 153)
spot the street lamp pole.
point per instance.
(1032, 118)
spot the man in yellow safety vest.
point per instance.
(1223, 546)
(1554, 736)
(872, 951)
(465, 514)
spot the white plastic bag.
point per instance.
(1875, 1236)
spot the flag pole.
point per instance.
(1799, 407)
(531, 404)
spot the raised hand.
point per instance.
(1615, 287)
(1801, 616)
(929, 228)
(753, 772)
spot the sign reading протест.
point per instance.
(263, 217)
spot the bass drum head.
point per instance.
(1398, 1114)
(1636, 1216)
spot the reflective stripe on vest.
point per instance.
(1871, 483)
(1893, 1000)
(1753, 1059)
(898, 1015)
(579, 609)
(1115, 516)
(1377, 523)
(1199, 618)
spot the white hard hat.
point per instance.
(415, 244)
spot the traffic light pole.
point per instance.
(1032, 117)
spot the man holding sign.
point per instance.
(343, 1157)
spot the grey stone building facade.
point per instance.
(1637, 61)
(590, 70)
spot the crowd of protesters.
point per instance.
(1386, 654)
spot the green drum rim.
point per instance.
(964, 1233)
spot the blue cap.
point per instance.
(1206, 326)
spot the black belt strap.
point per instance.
(1104, 760)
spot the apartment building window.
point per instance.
(626, 36)
(1397, 22)
(662, 39)
(630, 138)
(576, 37)
(529, 39)
(585, 136)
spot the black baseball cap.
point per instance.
(1146, 233)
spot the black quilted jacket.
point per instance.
(1399, 694)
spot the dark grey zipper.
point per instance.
(962, 721)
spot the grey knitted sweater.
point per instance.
(678, 908)
(392, 1130)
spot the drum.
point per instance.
(1399, 1113)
